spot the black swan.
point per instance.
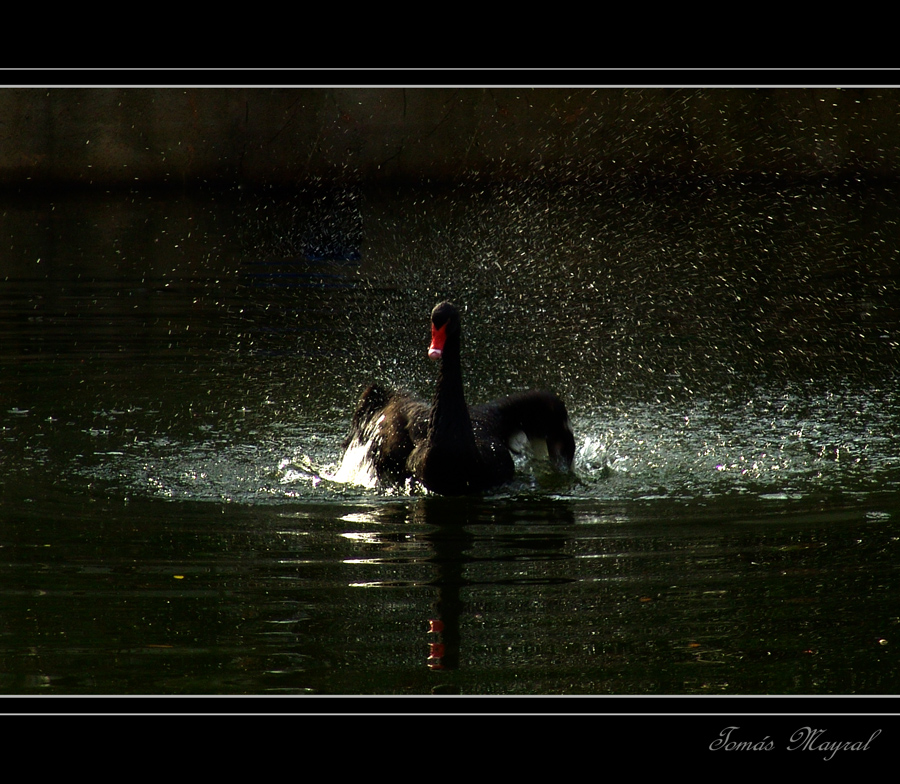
(449, 447)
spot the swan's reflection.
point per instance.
(453, 535)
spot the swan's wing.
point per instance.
(388, 424)
(537, 415)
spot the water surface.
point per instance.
(178, 374)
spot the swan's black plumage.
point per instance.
(449, 447)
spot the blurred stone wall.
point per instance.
(177, 136)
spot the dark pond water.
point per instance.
(177, 374)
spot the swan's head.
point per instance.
(444, 323)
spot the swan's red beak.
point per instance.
(438, 338)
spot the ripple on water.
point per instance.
(771, 446)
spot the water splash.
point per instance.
(767, 446)
(356, 468)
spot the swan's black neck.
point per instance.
(449, 412)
